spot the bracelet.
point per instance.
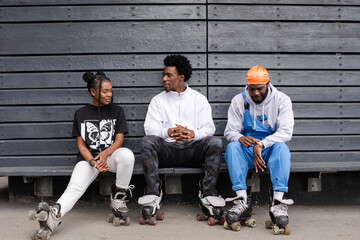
(91, 161)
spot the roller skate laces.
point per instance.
(279, 209)
(120, 198)
(239, 206)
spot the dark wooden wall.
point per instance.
(311, 49)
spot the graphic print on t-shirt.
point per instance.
(90, 133)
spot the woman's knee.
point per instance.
(124, 156)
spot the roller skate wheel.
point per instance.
(287, 230)
(127, 221)
(226, 225)
(142, 220)
(42, 216)
(200, 216)
(251, 223)
(276, 230)
(45, 235)
(31, 215)
(211, 221)
(160, 216)
(152, 221)
(221, 221)
(34, 234)
(110, 218)
(236, 226)
(116, 222)
(268, 224)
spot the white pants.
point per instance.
(121, 162)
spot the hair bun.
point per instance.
(88, 76)
(101, 74)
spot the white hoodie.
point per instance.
(189, 108)
(277, 107)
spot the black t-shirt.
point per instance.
(98, 135)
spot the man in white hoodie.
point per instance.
(179, 133)
(260, 121)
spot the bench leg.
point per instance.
(254, 182)
(314, 183)
(173, 184)
(43, 187)
(105, 183)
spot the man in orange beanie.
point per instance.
(260, 121)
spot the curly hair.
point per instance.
(181, 63)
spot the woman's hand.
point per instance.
(101, 162)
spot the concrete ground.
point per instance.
(87, 221)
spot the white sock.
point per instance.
(242, 193)
(278, 195)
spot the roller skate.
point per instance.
(48, 218)
(118, 200)
(211, 207)
(150, 209)
(240, 213)
(279, 217)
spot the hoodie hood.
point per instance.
(272, 91)
(260, 107)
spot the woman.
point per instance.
(99, 129)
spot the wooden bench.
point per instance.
(41, 78)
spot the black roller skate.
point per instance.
(150, 209)
(278, 214)
(118, 199)
(240, 213)
(211, 207)
(48, 218)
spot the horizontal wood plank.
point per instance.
(70, 160)
(297, 94)
(86, 62)
(54, 130)
(136, 128)
(107, 37)
(75, 80)
(283, 37)
(312, 127)
(285, 61)
(137, 112)
(289, 2)
(85, 2)
(305, 110)
(103, 13)
(288, 78)
(68, 146)
(79, 96)
(59, 113)
(283, 12)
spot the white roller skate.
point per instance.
(48, 218)
(150, 209)
(279, 217)
(118, 199)
(212, 211)
(211, 207)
